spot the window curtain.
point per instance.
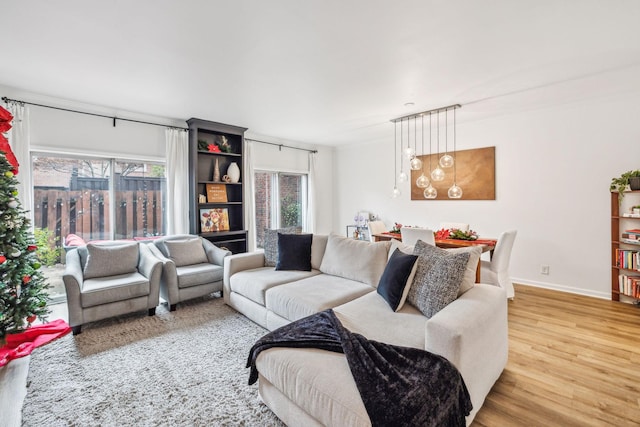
(177, 181)
(310, 223)
(20, 140)
(249, 185)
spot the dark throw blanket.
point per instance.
(398, 385)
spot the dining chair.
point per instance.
(375, 227)
(410, 235)
(457, 225)
(496, 271)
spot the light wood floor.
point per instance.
(573, 361)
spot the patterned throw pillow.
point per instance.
(437, 278)
(271, 243)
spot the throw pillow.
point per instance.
(397, 244)
(110, 260)
(437, 278)
(186, 252)
(355, 259)
(469, 279)
(397, 278)
(294, 252)
(271, 243)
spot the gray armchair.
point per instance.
(110, 279)
(191, 267)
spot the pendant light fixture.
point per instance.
(409, 152)
(455, 192)
(437, 174)
(430, 192)
(446, 161)
(395, 193)
(403, 176)
(416, 163)
(422, 181)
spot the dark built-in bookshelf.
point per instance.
(216, 202)
(625, 247)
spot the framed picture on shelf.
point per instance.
(212, 220)
(216, 193)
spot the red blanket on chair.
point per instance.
(23, 343)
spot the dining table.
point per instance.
(486, 244)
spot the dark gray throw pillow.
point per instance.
(395, 277)
(271, 243)
(437, 278)
(294, 252)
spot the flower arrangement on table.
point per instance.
(456, 234)
(396, 228)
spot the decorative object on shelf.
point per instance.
(202, 198)
(226, 178)
(216, 171)
(216, 193)
(629, 179)
(224, 144)
(233, 171)
(212, 220)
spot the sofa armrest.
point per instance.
(151, 268)
(239, 262)
(472, 333)
(73, 279)
(215, 254)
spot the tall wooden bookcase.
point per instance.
(623, 262)
(216, 207)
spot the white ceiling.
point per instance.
(320, 71)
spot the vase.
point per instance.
(216, 172)
(233, 172)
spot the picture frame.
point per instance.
(214, 220)
(216, 193)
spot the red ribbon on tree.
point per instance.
(5, 125)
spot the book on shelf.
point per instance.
(629, 285)
(633, 230)
(627, 259)
(631, 236)
(630, 241)
(630, 215)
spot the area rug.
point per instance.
(181, 368)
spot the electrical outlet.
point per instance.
(544, 269)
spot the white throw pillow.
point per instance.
(355, 259)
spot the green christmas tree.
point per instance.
(23, 290)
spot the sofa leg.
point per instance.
(172, 307)
(152, 311)
(75, 330)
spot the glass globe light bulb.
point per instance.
(396, 193)
(409, 153)
(446, 161)
(416, 164)
(455, 192)
(437, 174)
(430, 192)
(402, 177)
(422, 181)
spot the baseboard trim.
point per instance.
(562, 288)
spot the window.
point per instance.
(96, 199)
(280, 201)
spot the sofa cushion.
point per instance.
(110, 260)
(103, 290)
(355, 259)
(397, 278)
(271, 243)
(437, 278)
(198, 274)
(294, 252)
(186, 251)
(299, 299)
(253, 284)
(318, 246)
(371, 316)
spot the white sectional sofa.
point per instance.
(307, 387)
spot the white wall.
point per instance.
(553, 170)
